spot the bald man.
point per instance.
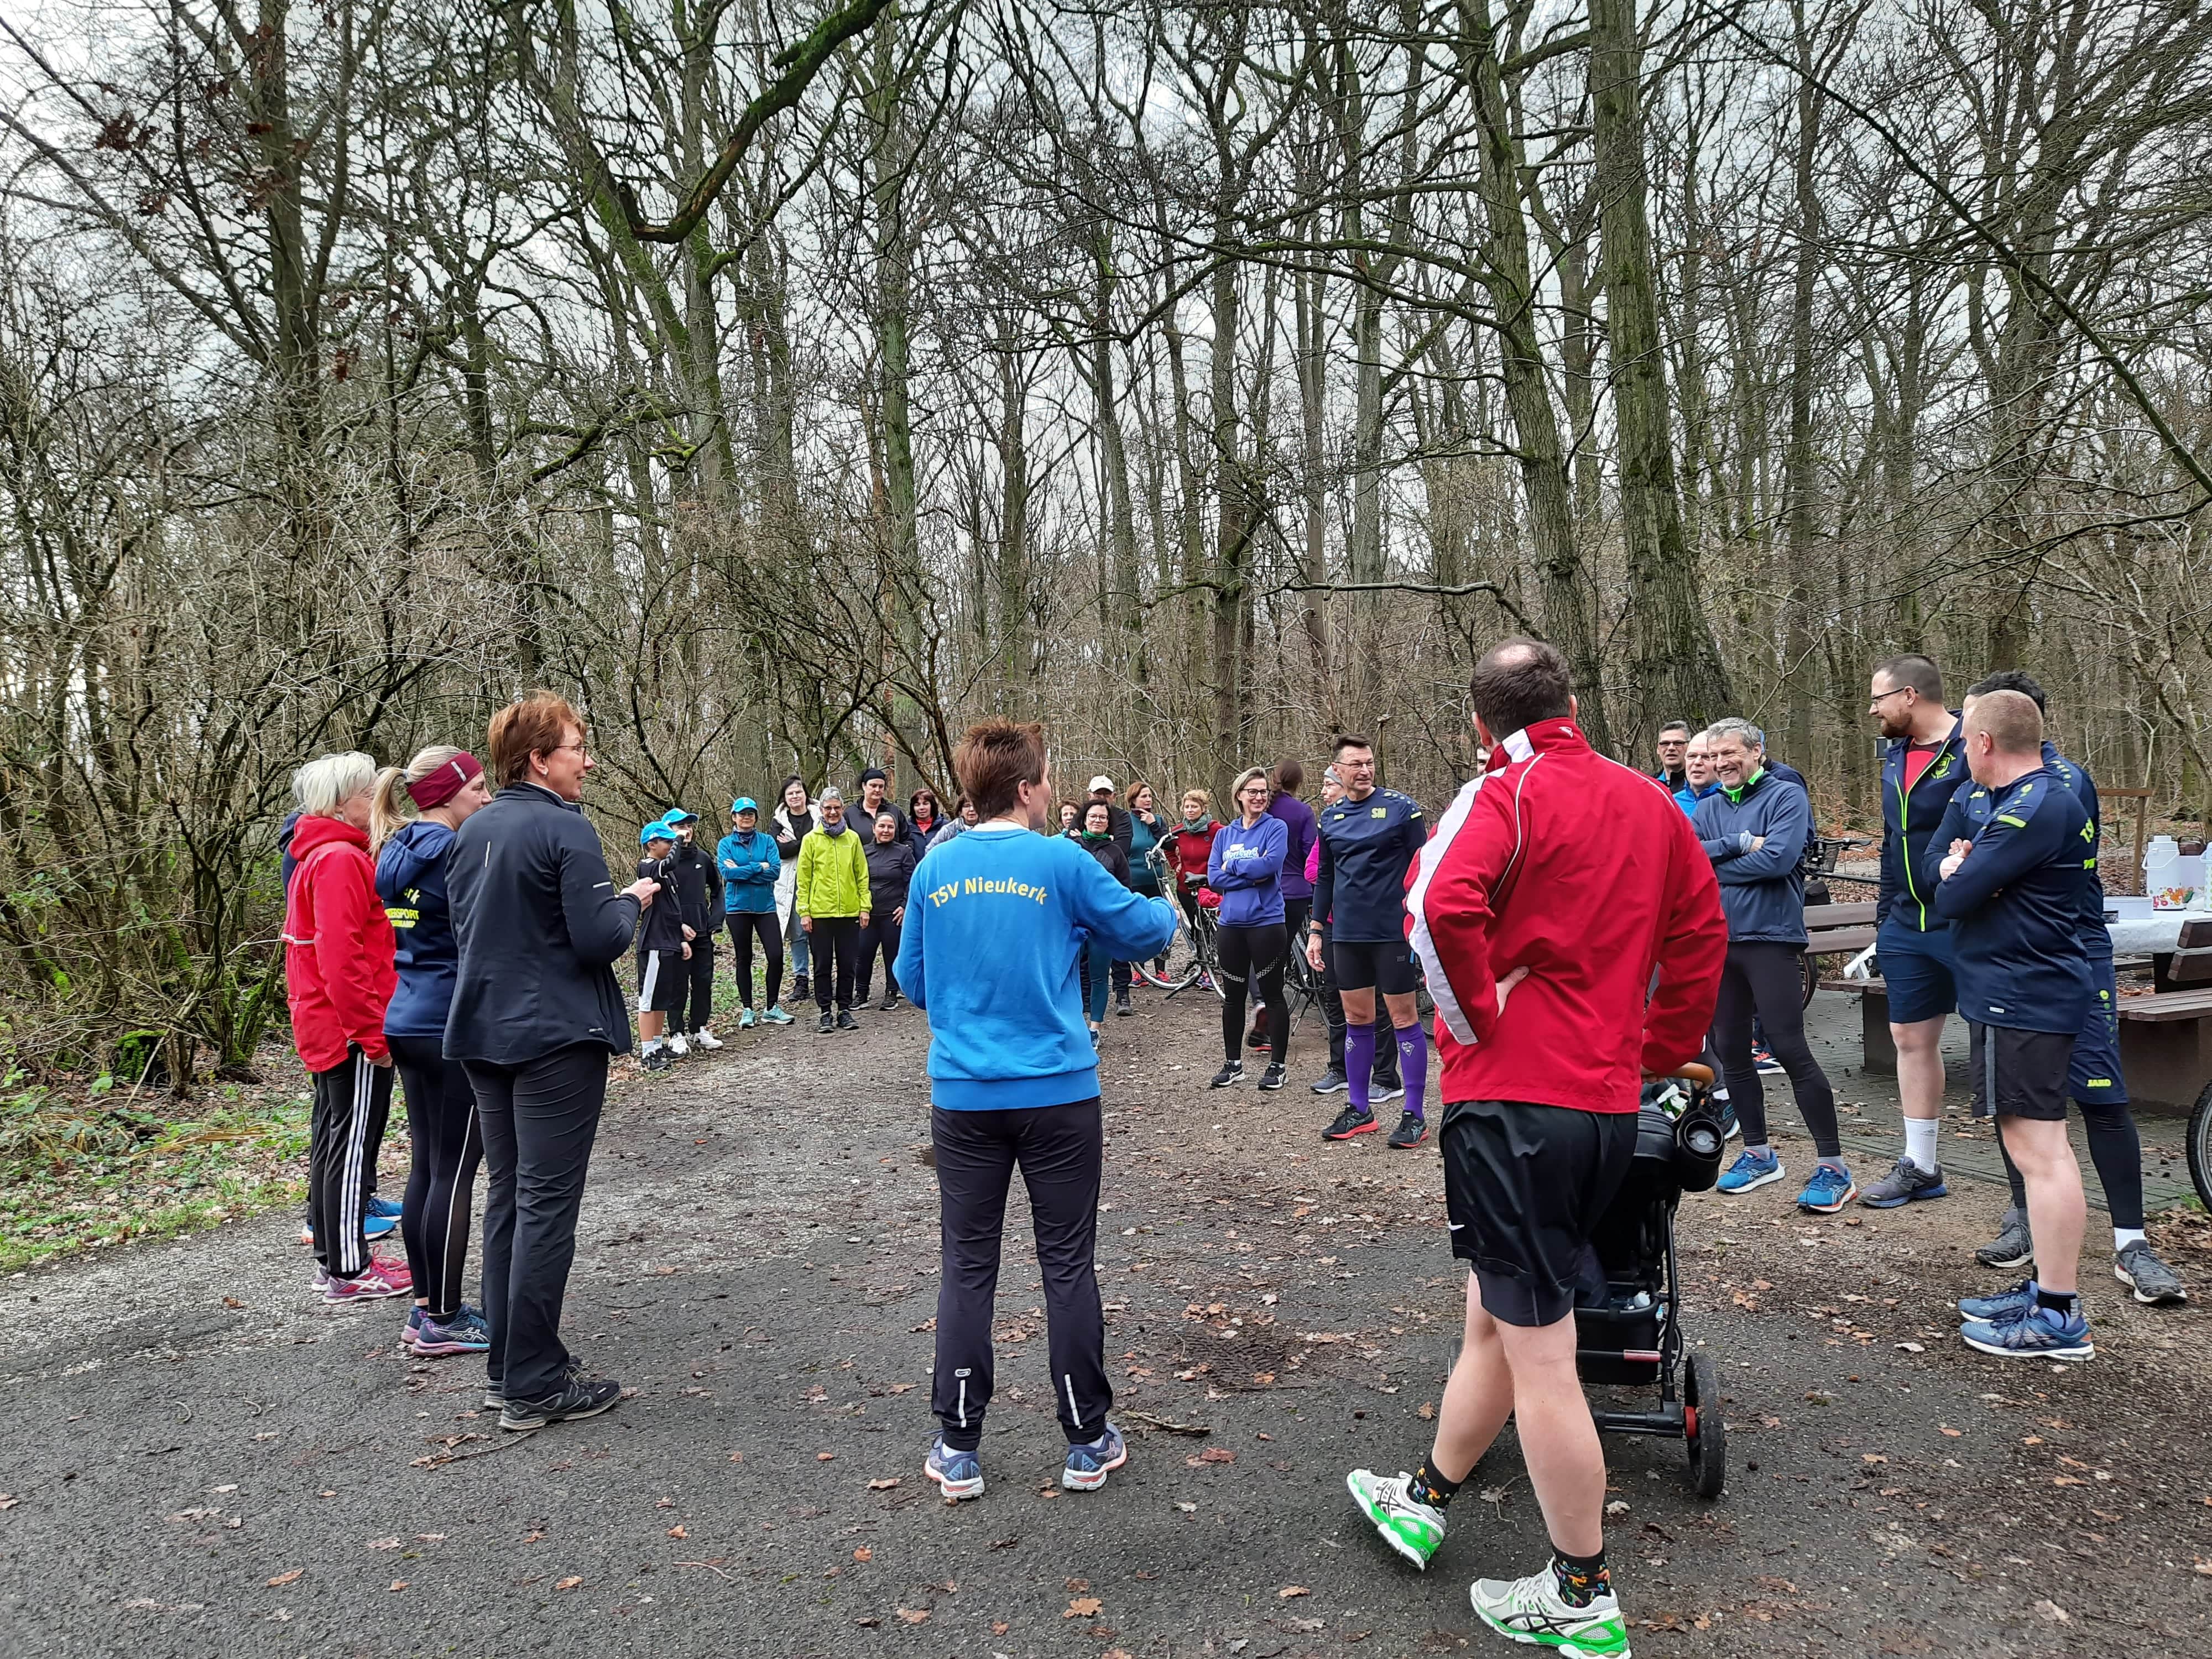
(2012, 898)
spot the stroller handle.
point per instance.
(1693, 1072)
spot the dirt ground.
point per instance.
(197, 1457)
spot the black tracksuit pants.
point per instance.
(881, 934)
(352, 1101)
(745, 928)
(433, 1215)
(695, 992)
(538, 1121)
(1764, 980)
(836, 948)
(1060, 1151)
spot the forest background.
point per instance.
(790, 387)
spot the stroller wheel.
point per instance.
(1706, 1434)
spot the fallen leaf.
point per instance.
(884, 1484)
(2054, 1613)
(998, 1627)
(678, 1532)
(1075, 1584)
(1426, 1411)
(1910, 1347)
(914, 1616)
(1619, 1506)
(569, 1583)
(1083, 1606)
(1217, 1455)
(1003, 1543)
(1953, 1434)
(1188, 1509)
(868, 1624)
(286, 1578)
(1289, 1590)
(864, 1553)
(399, 1583)
(9, 1500)
(737, 1457)
(825, 1457)
(384, 1543)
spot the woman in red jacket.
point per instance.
(338, 976)
(1190, 843)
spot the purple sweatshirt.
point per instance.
(1298, 820)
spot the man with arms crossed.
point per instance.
(1542, 943)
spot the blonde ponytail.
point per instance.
(386, 816)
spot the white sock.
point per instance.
(1920, 1134)
(651, 1044)
(2123, 1236)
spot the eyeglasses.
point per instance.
(1673, 743)
(1882, 697)
(558, 747)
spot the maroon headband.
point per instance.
(447, 782)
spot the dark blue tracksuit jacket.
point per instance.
(1909, 826)
(1763, 892)
(1974, 806)
(2015, 908)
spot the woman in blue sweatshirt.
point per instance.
(995, 922)
(750, 863)
(445, 786)
(1245, 868)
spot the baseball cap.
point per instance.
(657, 830)
(678, 815)
(1101, 781)
(743, 804)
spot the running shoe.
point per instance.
(432, 1337)
(1088, 1466)
(1232, 1072)
(2013, 1247)
(1256, 1037)
(1531, 1610)
(2000, 1309)
(1383, 1092)
(1767, 1063)
(1412, 1129)
(703, 1038)
(890, 1001)
(828, 1024)
(2035, 1333)
(776, 1016)
(1828, 1191)
(747, 1019)
(495, 1396)
(801, 989)
(1414, 1529)
(678, 1046)
(1902, 1185)
(1122, 1006)
(383, 1206)
(846, 1021)
(1274, 1078)
(959, 1475)
(1751, 1170)
(1332, 1082)
(576, 1397)
(2153, 1281)
(1349, 1122)
(375, 1283)
(1731, 1126)
(374, 1226)
(1094, 1038)
(657, 1060)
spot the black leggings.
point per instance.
(1249, 954)
(2117, 1150)
(1764, 981)
(836, 946)
(881, 934)
(434, 1216)
(744, 926)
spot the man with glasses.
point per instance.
(1923, 766)
(1673, 747)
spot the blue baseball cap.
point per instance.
(657, 830)
(678, 815)
(743, 804)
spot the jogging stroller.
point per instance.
(1627, 1326)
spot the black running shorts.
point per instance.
(1378, 965)
(661, 982)
(1525, 1187)
(2019, 1073)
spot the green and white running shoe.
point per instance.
(1409, 1526)
(1532, 1610)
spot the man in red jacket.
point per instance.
(338, 977)
(1573, 935)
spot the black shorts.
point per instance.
(1525, 1187)
(661, 981)
(1377, 965)
(2019, 1073)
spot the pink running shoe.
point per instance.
(374, 1283)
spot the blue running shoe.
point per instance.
(959, 1475)
(384, 1207)
(2038, 1332)
(1828, 1191)
(1751, 1170)
(2000, 1310)
(1088, 1466)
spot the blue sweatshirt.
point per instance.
(1245, 868)
(1762, 891)
(2015, 906)
(410, 880)
(750, 865)
(996, 924)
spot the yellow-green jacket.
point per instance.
(833, 874)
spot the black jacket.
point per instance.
(698, 889)
(538, 923)
(890, 868)
(1109, 852)
(1117, 825)
(661, 927)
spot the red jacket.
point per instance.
(1588, 875)
(1189, 850)
(338, 946)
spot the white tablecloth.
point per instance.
(2142, 931)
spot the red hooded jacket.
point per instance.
(1189, 846)
(338, 975)
(1588, 875)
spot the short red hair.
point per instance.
(537, 724)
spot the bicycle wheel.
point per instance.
(2200, 1147)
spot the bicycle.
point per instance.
(1191, 956)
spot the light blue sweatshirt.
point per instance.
(996, 922)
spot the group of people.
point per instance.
(470, 941)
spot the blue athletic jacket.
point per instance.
(1762, 891)
(1366, 848)
(1910, 827)
(1974, 806)
(750, 865)
(1245, 868)
(2015, 907)
(410, 880)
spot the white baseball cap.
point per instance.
(1101, 781)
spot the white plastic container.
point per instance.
(2174, 881)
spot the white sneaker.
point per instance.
(1531, 1610)
(677, 1045)
(703, 1038)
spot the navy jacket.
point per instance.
(1974, 806)
(1762, 891)
(2015, 907)
(1910, 827)
(698, 889)
(539, 924)
(1245, 868)
(1366, 848)
(661, 927)
(410, 880)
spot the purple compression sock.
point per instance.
(1413, 1065)
(1359, 1064)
